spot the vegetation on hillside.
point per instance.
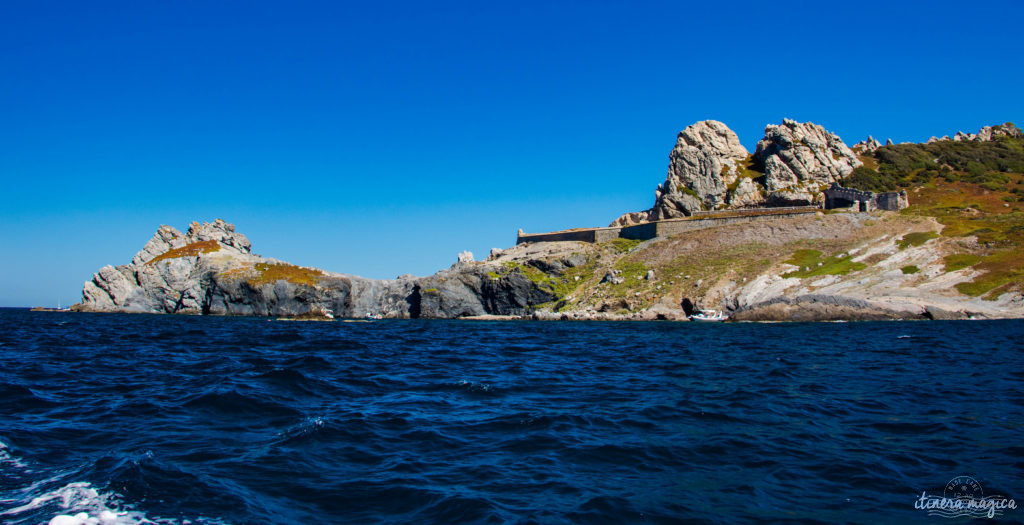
(189, 250)
(915, 239)
(810, 263)
(559, 284)
(974, 189)
(265, 273)
(908, 165)
(866, 179)
(271, 273)
(622, 245)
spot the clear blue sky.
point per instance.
(383, 138)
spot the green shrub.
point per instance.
(622, 245)
(959, 261)
(910, 269)
(976, 158)
(915, 239)
(867, 179)
(808, 262)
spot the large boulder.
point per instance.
(695, 177)
(709, 169)
(800, 160)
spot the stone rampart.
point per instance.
(595, 235)
(650, 230)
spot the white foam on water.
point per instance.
(8, 460)
(75, 503)
(79, 504)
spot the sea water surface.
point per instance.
(200, 420)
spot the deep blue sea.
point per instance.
(200, 420)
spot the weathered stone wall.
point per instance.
(892, 201)
(650, 230)
(673, 227)
(839, 197)
(595, 235)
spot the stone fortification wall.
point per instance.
(676, 226)
(650, 230)
(594, 235)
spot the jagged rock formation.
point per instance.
(164, 275)
(695, 171)
(985, 134)
(212, 270)
(710, 169)
(869, 145)
(800, 160)
(988, 133)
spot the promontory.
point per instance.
(803, 228)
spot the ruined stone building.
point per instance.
(839, 197)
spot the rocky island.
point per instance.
(747, 233)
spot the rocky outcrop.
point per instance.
(988, 133)
(800, 160)
(165, 275)
(704, 161)
(746, 194)
(869, 145)
(815, 308)
(709, 169)
(695, 180)
(985, 134)
(211, 270)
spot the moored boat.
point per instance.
(709, 316)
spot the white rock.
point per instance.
(702, 151)
(800, 158)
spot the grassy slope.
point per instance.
(967, 210)
(980, 210)
(976, 191)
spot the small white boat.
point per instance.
(708, 316)
(375, 317)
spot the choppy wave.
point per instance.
(117, 419)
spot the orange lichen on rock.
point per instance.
(269, 273)
(189, 250)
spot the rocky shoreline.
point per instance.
(821, 267)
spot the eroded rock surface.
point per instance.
(800, 160)
(695, 180)
(709, 169)
(211, 270)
